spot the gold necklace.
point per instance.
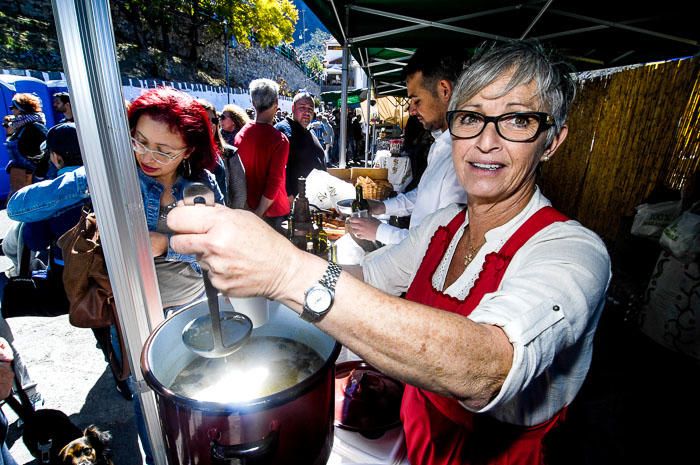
(471, 250)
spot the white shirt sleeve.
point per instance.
(548, 305)
(387, 234)
(402, 204)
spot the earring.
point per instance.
(186, 168)
(545, 159)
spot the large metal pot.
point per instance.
(292, 426)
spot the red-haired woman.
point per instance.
(173, 147)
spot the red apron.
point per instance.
(439, 431)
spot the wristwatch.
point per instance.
(318, 299)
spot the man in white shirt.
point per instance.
(430, 76)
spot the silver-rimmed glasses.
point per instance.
(515, 127)
(160, 157)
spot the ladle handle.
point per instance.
(213, 301)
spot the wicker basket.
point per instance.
(375, 189)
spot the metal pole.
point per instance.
(228, 88)
(343, 123)
(86, 39)
(367, 134)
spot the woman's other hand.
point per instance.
(244, 256)
(159, 243)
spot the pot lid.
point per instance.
(366, 400)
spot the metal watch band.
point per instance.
(328, 280)
(330, 277)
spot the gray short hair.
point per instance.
(303, 95)
(263, 93)
(527, 61)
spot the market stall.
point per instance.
(88, 51)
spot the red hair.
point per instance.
(184, 115)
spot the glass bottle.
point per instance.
(302, 214)
(321, 235)
(311, 238)
(359, 204)
(290, 227)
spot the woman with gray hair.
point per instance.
(494, 336)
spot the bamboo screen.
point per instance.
(628, 132)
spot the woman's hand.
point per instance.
(7, 376)
(364, 228)
(244, 256)
(159, 243)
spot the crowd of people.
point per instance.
(249, 158)
(485, 307)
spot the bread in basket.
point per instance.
(376, 189)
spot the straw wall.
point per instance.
(628, 132)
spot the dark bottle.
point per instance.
(322, 236)
(311, 237)
(302, 213)
(359, 203)
(290, 226)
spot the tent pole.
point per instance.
(86, 40)
(367, 133)
(343, 123)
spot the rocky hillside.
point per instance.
(28, 41)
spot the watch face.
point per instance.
(318, 299)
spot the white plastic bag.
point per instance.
(652, 218)
(682, 236)
(324, 189)
(670, 314)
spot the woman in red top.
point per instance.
(495, 334)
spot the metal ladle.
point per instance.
(217, 334)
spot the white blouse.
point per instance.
(548, 303)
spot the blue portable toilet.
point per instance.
(10, 85)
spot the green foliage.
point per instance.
(268, 22)
(315, 65)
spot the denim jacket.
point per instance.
(151, 191)
(46, 199)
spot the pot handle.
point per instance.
(251, 450)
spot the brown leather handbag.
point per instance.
(85, 275)
(88, 289)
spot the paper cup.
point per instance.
(254, 308)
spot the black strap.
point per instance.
(24, 270)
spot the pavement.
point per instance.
(73, 377)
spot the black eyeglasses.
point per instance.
(514, 127)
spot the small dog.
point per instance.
(91, 449)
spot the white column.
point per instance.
(86, 39)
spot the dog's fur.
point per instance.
(91, 449)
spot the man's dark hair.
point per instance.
(436, 65)
(72, 159)
(64, 97)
